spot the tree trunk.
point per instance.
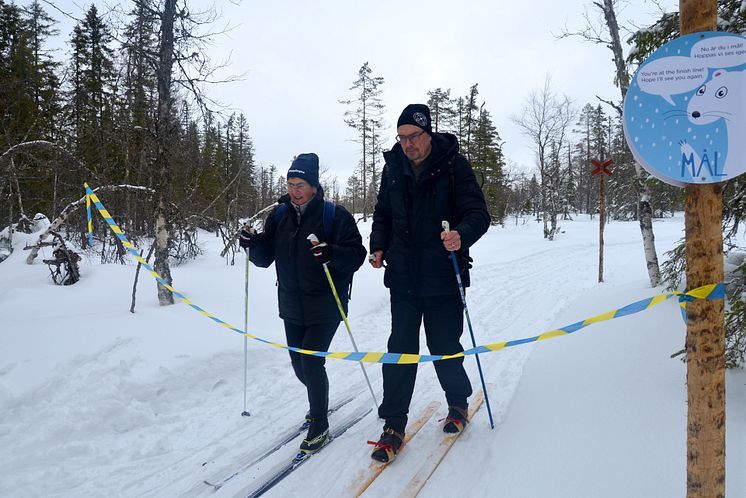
(645, 216)
(601, 222)
(365, 159)
(644, 210)
(705, 345)
(544, 214)
(705, 339)
(14, 177)
(164, 126)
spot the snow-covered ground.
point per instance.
(96, 401)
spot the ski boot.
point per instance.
(387, 446)
(317, 437)
(456, 420)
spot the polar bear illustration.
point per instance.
(722, 97)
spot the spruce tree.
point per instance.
(43, 79)
(137, 103)
(468, 118)
(90, 96)
(366, 118)
(487, 158)
(442, 111)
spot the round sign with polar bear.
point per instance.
(685, 110)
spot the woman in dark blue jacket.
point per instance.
(306, 302)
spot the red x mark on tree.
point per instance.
(601, 167)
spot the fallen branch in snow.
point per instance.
(137, 274)
(60, 220)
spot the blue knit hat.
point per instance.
(305, 167)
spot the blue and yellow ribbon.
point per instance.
(708, 292)
(90, 219)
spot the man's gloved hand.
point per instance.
(322, 253)
(247, 237)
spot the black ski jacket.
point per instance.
(408, 215)
(303, 291)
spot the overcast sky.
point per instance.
(300, 58)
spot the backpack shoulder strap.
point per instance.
(280, 212)
(328, 220)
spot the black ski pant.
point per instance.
(309, 369)
(444, 324)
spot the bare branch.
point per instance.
(66, 14)
(240, 171)
(62, 217)
(614, 105)
(248, 222)
(43, 144)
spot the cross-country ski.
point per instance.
(291, 434)
(283, 470)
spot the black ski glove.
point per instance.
(322, 253)
(247, 238)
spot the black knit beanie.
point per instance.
(417, 115)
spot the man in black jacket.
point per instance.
(424, 182)
(306, 302)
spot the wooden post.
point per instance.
(601, 169)
(705, 339)
(601, 232)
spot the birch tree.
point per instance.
(610, 37)
(545, 119)
(164, 132)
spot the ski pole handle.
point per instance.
(315, 243)
(446, 226)
(248, 227)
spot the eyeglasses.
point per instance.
(298, 186)
(409, 138)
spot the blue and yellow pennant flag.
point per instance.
(709, 292)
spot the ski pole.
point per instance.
(447, 229)
(245, 412)
(315, 241)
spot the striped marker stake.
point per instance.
(315, 241)
(446, 228)
(90, 219)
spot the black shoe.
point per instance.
(388, 446)
(318, 436)
(456, 420)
